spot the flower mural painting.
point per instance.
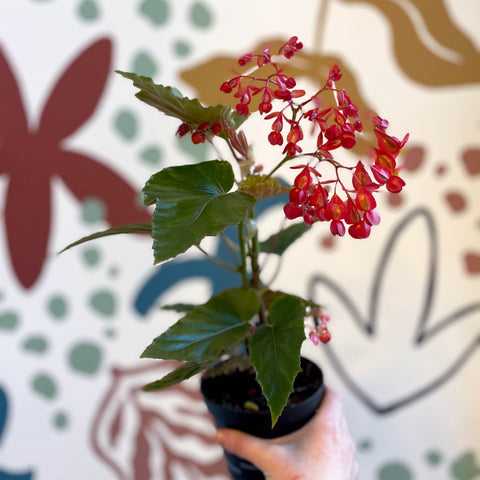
(134, 430)
(31, 157)
(404, 376)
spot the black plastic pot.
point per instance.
(218, 392)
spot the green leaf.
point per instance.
(275, 351)
(279, 242)
(187, 370)
(208, 330)
(130, 228)
(187, 110)
(179, 307)
(192, 201)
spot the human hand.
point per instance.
(321, 450)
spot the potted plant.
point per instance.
(252, 329)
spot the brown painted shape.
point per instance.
(418, 59)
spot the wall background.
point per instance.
(72, 326)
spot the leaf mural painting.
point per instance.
(31, 157)
(154, 427)
(428, 46)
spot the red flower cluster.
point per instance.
(351, 204)
(275, 86)
(320, 333)
(199, 134)
(310, 200)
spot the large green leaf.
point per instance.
(275, 351)
(187, 370)
(130, 228)
(209, 329)
(192, 201)
(279, 242)
(191, 111)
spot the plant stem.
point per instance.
(243, 253)
(285, 159)
(217, 260)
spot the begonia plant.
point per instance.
(309, 132)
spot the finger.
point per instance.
(253, 449)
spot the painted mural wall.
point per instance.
(75, 149)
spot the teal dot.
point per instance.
(114, 271)
(44, 385)
(465, 467)
(93, 210)
(58, 307)
(182, 48)
(151, 155)
(433, 457)
(103, 301)
(156, 11)
(88, 10)
(85, 357)
(35, 344)
(394, 471)
(126, 124)
(9, 321)
(364, 445)
(143, 64)
(200, 16)
(91, 256)
(110, 333)
(60, 420)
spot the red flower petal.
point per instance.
(87, 178)
(27, 223)
(13, 122)
(77, 92)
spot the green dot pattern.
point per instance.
(9, 321)
(200, 15)
(364, 445)
(126, 125)
(93, 210)
(143, 64)
(60, 420)
(394, 471)
(91, 256)
(182, 48)
(44, 385)
(58, 307)
(103, 302)
(88, 10)
(35, 344)
(151, 155)
(466, 467)
(85, 357)
(433, 457)
(156, 11)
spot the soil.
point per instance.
(239, 390)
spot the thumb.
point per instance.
(249, 447)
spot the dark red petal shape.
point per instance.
(88, 178)
(27, 223)
(13, 122)
(77, 92)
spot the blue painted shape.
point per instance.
(170, 273)
(3, 411)
(14, 476)
(3, 420)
